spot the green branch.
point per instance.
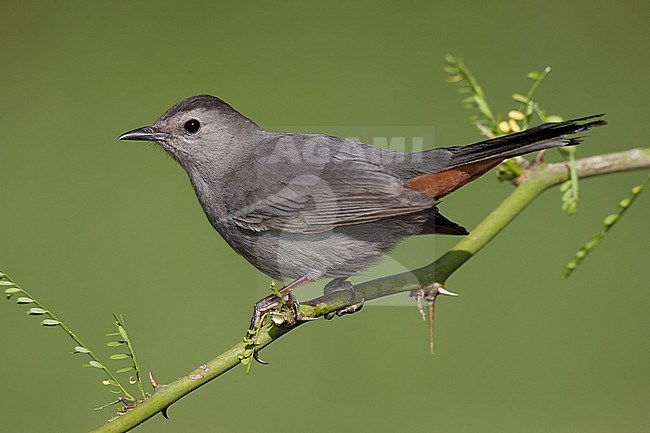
(530, 185)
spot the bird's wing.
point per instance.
(336, 184)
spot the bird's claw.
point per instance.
(350, 309)
(283, 308)
(342, 285)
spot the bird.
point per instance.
(301, 207)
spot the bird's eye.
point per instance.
(192, 126)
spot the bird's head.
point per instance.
(198, 128)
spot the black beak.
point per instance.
(143, 134)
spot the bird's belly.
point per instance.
(341, 252)
(287, 256)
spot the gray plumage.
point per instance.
(309, 205)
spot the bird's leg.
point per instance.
(279, 297)
(264, 308)
(342, 285)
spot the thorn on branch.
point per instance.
(429, 294)
(257, 358)
(154, 384)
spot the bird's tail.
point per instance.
(462, 164)
(540, 137)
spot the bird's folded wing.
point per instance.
(319, 195)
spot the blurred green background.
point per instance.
(94, 226)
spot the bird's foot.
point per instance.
(342, 285)
(281, 307)
(429, 294)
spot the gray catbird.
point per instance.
(306, 206)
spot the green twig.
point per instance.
(461, 74)
(571, 188)
(609, 222)
(135, 365)
(11, 289)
